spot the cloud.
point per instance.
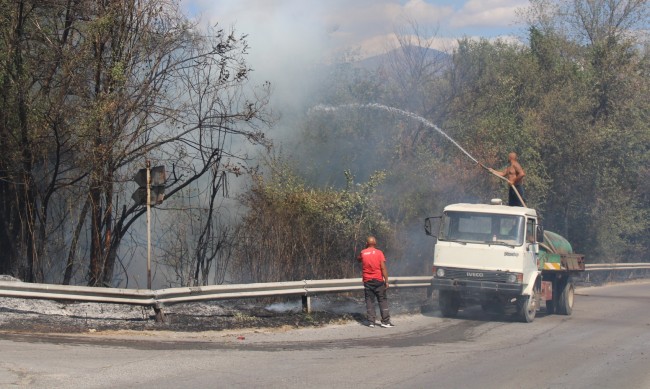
(487, 13)
(364, 23)
(425, 12)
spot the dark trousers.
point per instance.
(513, 200)
(376, 289)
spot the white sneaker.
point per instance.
(371, 325)
(387, 325)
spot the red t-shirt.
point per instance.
(371, 260)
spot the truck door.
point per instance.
(530, 243)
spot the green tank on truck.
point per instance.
(500, 258)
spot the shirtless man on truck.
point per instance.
(515, 174)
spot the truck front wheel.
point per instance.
(527, 308)
(565, 301)
(527, 305)
(449, 303)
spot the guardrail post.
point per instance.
(306, 303)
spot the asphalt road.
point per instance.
(604, 344)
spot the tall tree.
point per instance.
(593, 120)
(103, 87)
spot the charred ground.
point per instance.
(44, 316)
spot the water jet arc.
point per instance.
(329, 108)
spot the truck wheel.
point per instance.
(565, 301)
(449, 303)
(527, 305)
(527, 308)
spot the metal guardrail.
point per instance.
(166, 297)
(617, 266)
(19, 289)
(603, 272)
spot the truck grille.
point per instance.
(476, 275)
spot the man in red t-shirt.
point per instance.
(375, 282)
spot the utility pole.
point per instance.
(148, 224)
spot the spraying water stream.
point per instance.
(328, 108)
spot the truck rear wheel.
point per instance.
(449, 303)
(565, 300)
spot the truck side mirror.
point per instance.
(427, 225)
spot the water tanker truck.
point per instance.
(499, 257)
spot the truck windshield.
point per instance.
(482, 228)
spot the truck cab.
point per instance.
(489, 254)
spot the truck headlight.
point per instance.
(512, 278)
(440, 272)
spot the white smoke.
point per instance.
(290, 40)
